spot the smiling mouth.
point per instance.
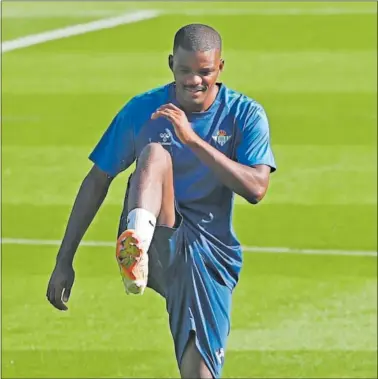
(194, 90)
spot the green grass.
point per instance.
(293, 315)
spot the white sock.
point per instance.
(143, 222)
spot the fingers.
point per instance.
(55, 297)
(159, 113)
(170, 106)
(66, 294)
(57, 301)
(168, 114)
(162, 111)
(60, 285)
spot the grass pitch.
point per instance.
(313, 67)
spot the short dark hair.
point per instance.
(197, 37)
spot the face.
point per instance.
(196, 74)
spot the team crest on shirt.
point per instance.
(221, 137)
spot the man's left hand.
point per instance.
(180, 122)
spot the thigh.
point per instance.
(192, 364)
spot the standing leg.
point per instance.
(192, 364)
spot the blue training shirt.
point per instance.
(235, 125)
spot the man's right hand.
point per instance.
(60, 284)
(91, 194)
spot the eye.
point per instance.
(184, 71)
(205, 72)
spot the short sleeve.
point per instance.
(254, 147)
(115, 151)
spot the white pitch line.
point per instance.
(75, 13)
(274, 12)
(288, 250)
(106, 23)
(74, 30)
(248, 249)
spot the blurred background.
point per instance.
(306, 304)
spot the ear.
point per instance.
(221, 65)
(170, 62)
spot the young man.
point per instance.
(196, 143)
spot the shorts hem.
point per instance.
(209, 365)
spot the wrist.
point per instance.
(64, 259)
(194, 141)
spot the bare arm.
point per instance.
(249, 182)
(91, 194)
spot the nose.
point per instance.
(193, 80)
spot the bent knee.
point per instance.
(154, 148)
(154, 152)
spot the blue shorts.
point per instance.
(197, 301)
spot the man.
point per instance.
(196, 143)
